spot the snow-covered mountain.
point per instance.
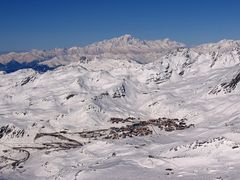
(124, 47)
(123, 108)
(223, 53)
(128, 44)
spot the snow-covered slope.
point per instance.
(102, 117)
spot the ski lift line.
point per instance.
(152, 101)
(154, 130)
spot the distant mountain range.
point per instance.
(124, 47)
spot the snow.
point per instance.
(43, 116)
(122, 47)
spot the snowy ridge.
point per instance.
(125, 44)
(224, 53)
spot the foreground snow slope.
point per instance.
(178, 118)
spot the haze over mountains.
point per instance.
(121, 108)
(124, 47)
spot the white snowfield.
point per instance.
(131, 109)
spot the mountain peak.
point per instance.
(220, 46)
(229, 42)
(126, 37)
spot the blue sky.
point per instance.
(45, 24)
